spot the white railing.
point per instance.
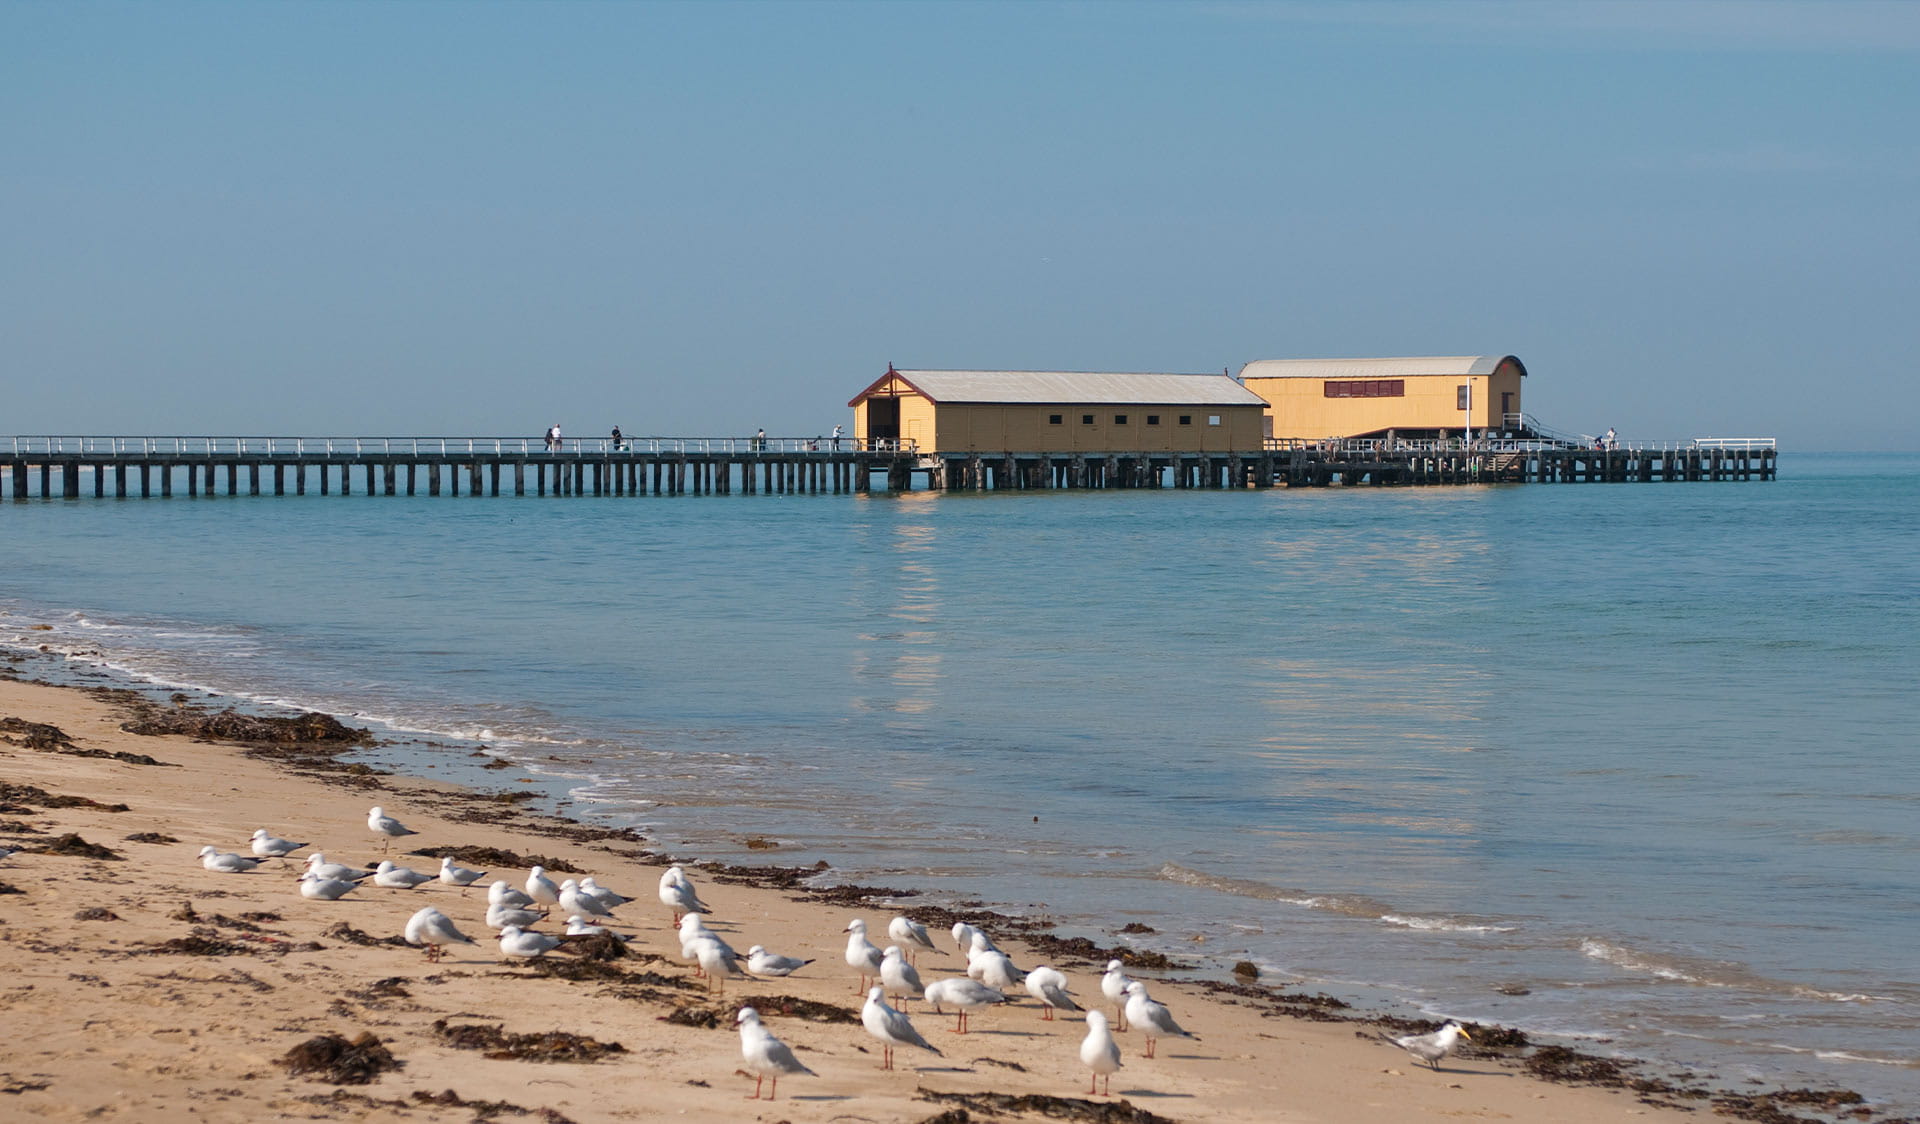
(1373, 446)
(1743, 443)
(28, 447)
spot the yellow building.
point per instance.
(1312, 399)
(1058, 411)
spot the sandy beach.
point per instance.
(147, 988)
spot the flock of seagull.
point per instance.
(884, 973)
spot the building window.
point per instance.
(1153, 419)
(1213, 419)
(1186, 419)
(1053, 419)
(1365, 388)
(1086, 419)
(1119, 419)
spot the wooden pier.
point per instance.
(123, 467)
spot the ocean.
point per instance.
(1630, 764)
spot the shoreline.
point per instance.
(1249, 1061)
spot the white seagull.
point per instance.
(991, 966)
(1150, 1018)
(272, 846)
(226, 862)
(1049, 986)
(435, 930)
(526, 944)
(897, 976)
(398, 877)
(386, 826)
(543, 890)
(501, 893)
(760, 962)
(1099, 1053)
(458, 875)
(766, 1056)
(862, 956)
(317, 864)
(501, 916)
(1113, 985)
(911, 936)
(891, 1027)
(1430, 1048)
(601, 894)
(963, 994)
(325, 889)
(578, 926)
(963, 935)
(677, 894)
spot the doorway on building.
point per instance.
(883, 422)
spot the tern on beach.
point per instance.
(226, 862)
(1099, 1053)
(1151, 1018)
(890, 1026)
(897, 977)
(760, 962)
(398, 877)
(272, 846)
(766, 1057)
(862, 956)
(1113, 985)
(911, 936)
(435, 930)
(964, 995)
(386, 826)
(458, 875)
(1430, 1048)
(1049, 986)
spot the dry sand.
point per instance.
(99, 1023)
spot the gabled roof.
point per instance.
(1453, 365)
(1068, 387)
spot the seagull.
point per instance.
(601, 894)
(991, 966)
(897, 976)
(321, 888)
(317, 864)
(578, 926)
(963, 993)
(760, 962)
(1049, 986)
(272, 846)
(862, 956)
(573, 900)
(1099, 1053)
(458, 875)
(226, 862)
(1114, 986)
(382, 824)
(526, 944)
(765, 1055)
(963, 935)
(717, 960)
(1153, 1019)
(398, 877)
(435, 930)
(500, 893)
(911, 936)
(544, 892)
(693, 927)
(501, 916)
(891, 1027)
(677, 894)
(5, 851)
(1430, 1048)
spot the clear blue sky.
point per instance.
(350, 218)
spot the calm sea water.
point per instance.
(1644, 751)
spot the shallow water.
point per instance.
(1644, 751)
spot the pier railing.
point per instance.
(26, 447)
(1369, 446)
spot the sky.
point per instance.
(1687, 219)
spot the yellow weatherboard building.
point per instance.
(1314, 399)
(1057, 411)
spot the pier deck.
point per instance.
(71, 467)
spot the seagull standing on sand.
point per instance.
(1113, 985)
(760, 962)
(541, 890)
(1430, 1048)
(226, 862)
(897, 976)
(385, 826)
(766, 1056)
(911, 936)
(1049, 986)
(891, 1027)
(862, 956)
(677, 894)
(398, 877)
(526, 944)
(272, 846)
(458, 875)
(1099, 1053)
(1153, 1019)
(435, 930)
(963, 994)
(325, 889)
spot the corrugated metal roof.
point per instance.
(1455, 365)
(1081, 386)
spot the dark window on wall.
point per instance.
(1053, 419)
(1186, 419)
(1119, 419)
(1365, 388)
(1086, 419)
(1153, 419)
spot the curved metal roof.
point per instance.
(1064, 387)
(1453, 365)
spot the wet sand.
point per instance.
(150, 989)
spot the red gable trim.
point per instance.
(882, 381)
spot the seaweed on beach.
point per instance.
(487, 1110)
(1567, 1066)
(1298, 1005)
(150, 837)
(306, 728)
(48, 738)
(552, 1046)
(342, 931)
(19, 827)
(711, 1017)
(72, 845)
(10, 888)
(199, 943)
(16, 799)
(495, 858)
(993, 1105)
(339, 1060)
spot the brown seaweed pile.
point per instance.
(20, 799)
(991, 1105)
(553, 1046)
(230, 725)
(342, 931)
(48, 738)
(73, 846)
(339, 1060)
(715, 1017)
(496, 858)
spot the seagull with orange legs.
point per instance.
(766, 1057)
(862, 956)
(1049, 986)
(1099, 1053)
(1152, 1019)
(963, 994)
(891, 1027)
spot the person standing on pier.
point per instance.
(836, 438)
(760, 441)
(619, 442)
(1611, 443)
(553, 438)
